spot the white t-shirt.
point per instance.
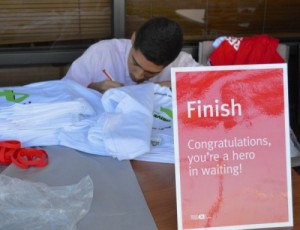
(112, 55)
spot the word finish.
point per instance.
(196, 108)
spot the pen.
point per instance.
(107, 74)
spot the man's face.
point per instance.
(140, 69)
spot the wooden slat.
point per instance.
(38, 6)
(32, 2)
(282, 16)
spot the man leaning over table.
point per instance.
(147, 57)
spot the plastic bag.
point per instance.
(30, 205)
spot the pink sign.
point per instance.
(231, 131)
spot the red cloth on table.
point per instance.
(259, 49)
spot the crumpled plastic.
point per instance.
(33, 205)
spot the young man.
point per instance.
(148, 56)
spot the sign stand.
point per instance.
(232, 147)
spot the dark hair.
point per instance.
(160, 40)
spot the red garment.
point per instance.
(259, 49)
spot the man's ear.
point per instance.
(132, 37)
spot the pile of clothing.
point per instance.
(131, 122)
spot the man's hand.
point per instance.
(165, 83)
(102, 86)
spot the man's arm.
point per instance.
(102, 86)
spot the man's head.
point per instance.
(155, 45)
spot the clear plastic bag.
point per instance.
(31, 205)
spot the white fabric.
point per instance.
(124, 136)
(162, 147)
(48, 109)
(118, 123)
(113, 56)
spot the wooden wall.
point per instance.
(10, 76)
(55, 20)
(278, 18)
